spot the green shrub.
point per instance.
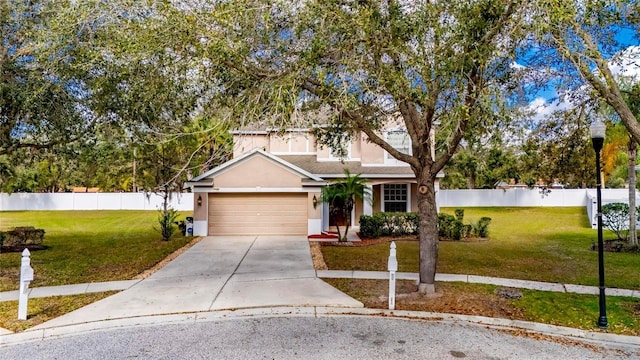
(450, 227)
(22, 236)
(467, 230)
(389, 224)
(167, 219)
(399, 224)
(481, 229)
(369, 227)
(615, 217)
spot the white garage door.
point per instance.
(254, 214)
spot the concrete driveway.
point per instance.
(221, 272)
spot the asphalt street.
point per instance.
(308, 337)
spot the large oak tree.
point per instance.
(38, 108)
(428, 64)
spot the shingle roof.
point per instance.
(328, 169)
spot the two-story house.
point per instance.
(274, 181)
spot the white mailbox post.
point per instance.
(26, 276)
(392, 266)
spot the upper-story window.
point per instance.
(399, 139)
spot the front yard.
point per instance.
(87, 246)
(541, 244)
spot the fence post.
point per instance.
(392, 266)
(26, 276)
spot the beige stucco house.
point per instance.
(273, 183)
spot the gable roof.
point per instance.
(250, 154)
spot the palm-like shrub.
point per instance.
(341, 196)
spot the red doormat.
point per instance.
(328, 235)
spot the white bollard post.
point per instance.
(392, 266)
(26, 276)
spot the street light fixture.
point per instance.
(598, 130)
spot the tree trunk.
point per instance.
(347, 210)
(632, 152)
(347, 224)
(338, 225)
(471, 184)
(165, 215)
(428, 231)
(471, 181)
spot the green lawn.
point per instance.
(543, 244)
(87, 246)
(41, 310)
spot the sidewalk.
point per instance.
(474, 279)
(340, 274)
(74, 289)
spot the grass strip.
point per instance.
(40, 310)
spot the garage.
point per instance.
(252, 214)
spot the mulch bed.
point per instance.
(451, 300)
(616, 246)
(388, 239)
(368, 242)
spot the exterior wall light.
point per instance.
(314, 201)
(199, 201)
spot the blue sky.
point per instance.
(625, 61)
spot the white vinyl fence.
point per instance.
(444, 198)
(533, 197)
(92, 201)
(511, 198)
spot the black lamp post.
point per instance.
(598, 130)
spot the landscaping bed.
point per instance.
(22, 237)
(451, 298)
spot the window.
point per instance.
(399, 140)
(395, 198)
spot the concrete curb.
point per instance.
(598, 338)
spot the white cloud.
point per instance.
(625, 65)
(541, 109)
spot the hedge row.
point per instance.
(21, 236)
(399, 224)
(389, 224)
